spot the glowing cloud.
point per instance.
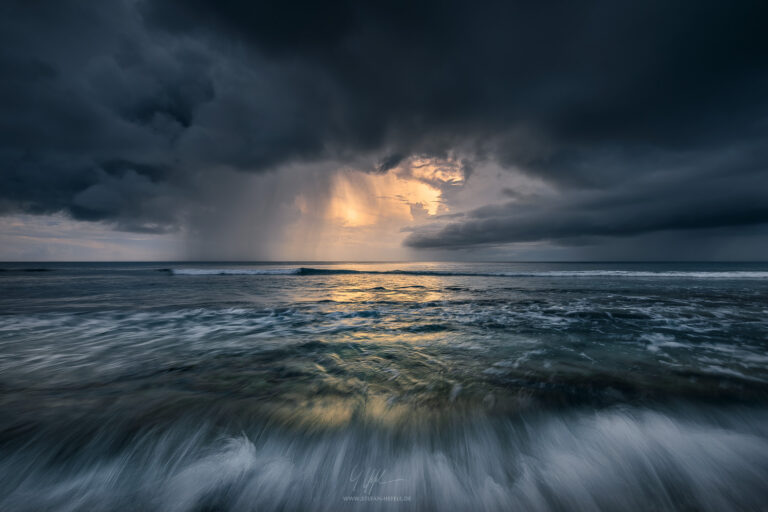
(416, 186)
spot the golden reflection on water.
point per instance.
(382, 375)
(355, 290)
(332, 411)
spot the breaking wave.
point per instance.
(616, 459)
(308, 271)
(233, 271)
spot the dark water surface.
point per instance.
(202, 387)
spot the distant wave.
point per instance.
(232, 271)
(306, 271)
(35, 269)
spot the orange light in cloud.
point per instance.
(350, 203)
(365, 213)
(361, 199)
(437, 171)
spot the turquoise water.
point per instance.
(423, 386)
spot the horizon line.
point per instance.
(333, 262)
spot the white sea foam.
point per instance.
(610, 460)
(657, 341)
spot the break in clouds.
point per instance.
(640, 119)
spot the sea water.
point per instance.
(410, 386)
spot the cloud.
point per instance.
(714, 191)
(642, 116)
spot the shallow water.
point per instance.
(379, 386)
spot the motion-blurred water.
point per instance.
(200, 387)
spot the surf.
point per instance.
(310, 271)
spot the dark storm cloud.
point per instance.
(91, 111)
(645, 115)
(704, 196)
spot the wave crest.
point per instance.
(308, 271)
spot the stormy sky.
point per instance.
(163, 129)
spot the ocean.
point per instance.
(361, 386)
